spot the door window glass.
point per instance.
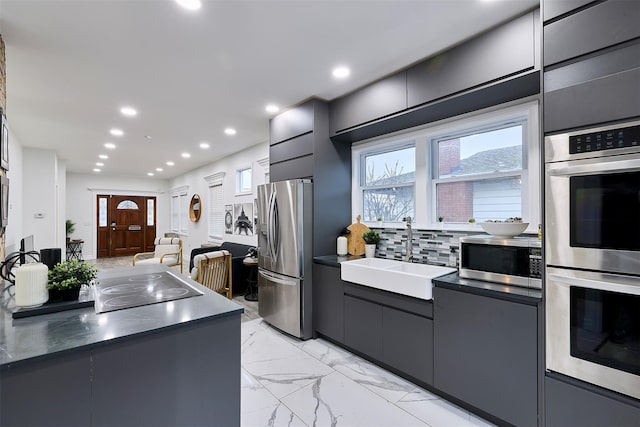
(127, 204)
(102, 212)
(150, 212)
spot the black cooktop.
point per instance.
(140, 289)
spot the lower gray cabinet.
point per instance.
(407, 343)
(328, 302)
(485, 354)
(570, 405)
(363, 326)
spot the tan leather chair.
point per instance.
(213, 270)
(168, 251)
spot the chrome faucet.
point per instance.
(409, 244)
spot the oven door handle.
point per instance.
(608, 285)
(629, 165)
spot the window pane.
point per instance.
(488, 152)
(391, 204)
(184, 213)
(127, 204)
(393, 167)
(175, 219)
(150, 211)
(244, 180)
(494, 199)
(102, 214)
(216, 212)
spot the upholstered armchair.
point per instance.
(168, 251)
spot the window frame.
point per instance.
(425, 209)
(239, 181)
(215, 212)
(180, 210)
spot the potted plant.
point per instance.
(379, 219)
(71, 226)
(371, 239)
(66, 278)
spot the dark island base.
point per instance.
(181, 376)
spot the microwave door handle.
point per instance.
(630, 165)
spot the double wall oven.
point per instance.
(592, 251)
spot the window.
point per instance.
(179, 210)
(479, 174)
(216, 205)
(127, 204)
(102, 211)
(483, 165)
(387, 183)
(151, 212)
(243, 181)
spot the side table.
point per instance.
(74, 250)
(252, 278)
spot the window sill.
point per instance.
(244, 193)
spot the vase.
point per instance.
(370, 250)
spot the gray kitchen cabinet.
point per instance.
(555, 8)
(53, 391)
(506, 50)
(293, 148)
(408, 343)
(328, 302)
(391, 329)
(379, 99)
(299, 167)
(485, 354)
(363, 326)
(294, 122)
(578, 34)
(570, 404)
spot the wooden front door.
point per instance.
(126, 225)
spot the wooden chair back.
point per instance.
(214, 272)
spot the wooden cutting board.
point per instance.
(355, 242)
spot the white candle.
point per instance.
(342, 245)
(31, 285)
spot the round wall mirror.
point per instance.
(195, 208)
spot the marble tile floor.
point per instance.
(287, 382)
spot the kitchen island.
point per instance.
(174, 363)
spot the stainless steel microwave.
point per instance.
(516, 261)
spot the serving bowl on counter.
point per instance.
(504, 229)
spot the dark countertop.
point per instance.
(335, 260)
(49, 334)
(512, 293)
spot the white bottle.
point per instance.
(342, 246)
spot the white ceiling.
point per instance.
(71, 64)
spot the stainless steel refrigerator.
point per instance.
(285, 226)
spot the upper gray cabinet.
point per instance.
(603, 25)
(379, 99)
(555, 8)
(291, 123)
(503, 51)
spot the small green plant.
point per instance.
(379, 219)
(371, 237)
(71, 227)
(71, 275)
(472, 220)
(440, 218)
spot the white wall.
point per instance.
(13, 232)
(81, 192)
(39, 204)
(197, 232)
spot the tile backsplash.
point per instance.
(436, 247)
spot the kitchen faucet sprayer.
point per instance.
(409, 243)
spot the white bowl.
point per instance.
(504, 229)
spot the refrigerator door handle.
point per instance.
(274, 227)
(276, 279)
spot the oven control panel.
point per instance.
(605, 140)
(535, 263)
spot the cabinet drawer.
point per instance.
(292, 148)
(302, 167)
(606, 24)
(292, 123)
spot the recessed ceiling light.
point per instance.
(103, 156)
(186, 155)
(150, 173)
(190, 4)
(204, 145)
(116, 132)
(128, 111)
(341, 72)
(271, 108)
(99, 164)
(110, 145)
(147, 137)
(170, 163)
(230, 131)
(96, 170)
(159, 169)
